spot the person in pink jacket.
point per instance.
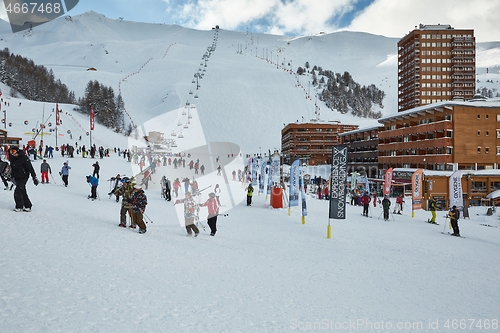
(213, 212)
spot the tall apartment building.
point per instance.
(436, 63)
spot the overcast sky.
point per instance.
(391, 18)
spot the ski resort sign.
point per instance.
(26, 14)
(338, 181)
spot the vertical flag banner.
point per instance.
(262, 176)
(302, 186)
(417, 191)
(365, 181)
(338, 181)
(455, 189)
(248, 171)
(275, 169)
(269, 178)
(255, 167)
(388, 182)
(294, 184)
(354, 180)
(91, 119)
(57, 115)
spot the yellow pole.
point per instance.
(329, 231)
(412, 213)
(303, 220)
(288, 211)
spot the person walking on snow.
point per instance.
(213, 212)
(249, 194)
(432, 207)
(454, 216)
(139, 202)
(189, 213)
(365, 200)
(386, 206)
(97, 167)
(64, 173)
(94, 182)
(125, 191)
(45, 170)
(21, 171)
(217, 193)
(399, 204)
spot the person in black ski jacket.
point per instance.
(454, 216)
(21, 171)
(97, 167)
(386, 205)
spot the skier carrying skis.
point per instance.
(213, 212)
(386, 205)
(21, 170)
(139, 202)
(118, 182)
(189, 213)
(94, 182)
(125, 191)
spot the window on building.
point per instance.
(486, 150)
(449, 150)
(478, 133)
(478, 186)
(478, 116)
(487, 133)
(479, 150)
(487, 116)
(498, 150)
(494, 186)
(498, 134)
(498, 117)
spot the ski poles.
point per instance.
(143, 213)
(53, 179)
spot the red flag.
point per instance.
(91, 119)
(57, 115)
(388, 182)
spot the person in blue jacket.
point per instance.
(94, 182)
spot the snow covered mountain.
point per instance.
(247, 90)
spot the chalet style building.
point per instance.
(6, 140)
(444, 136)
(436, 63)
(311, 142)
(362, 153)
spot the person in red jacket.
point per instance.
(365, 201)
(213, 212)
(399, 204)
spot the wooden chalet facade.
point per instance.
(442, 136)
(312, 143)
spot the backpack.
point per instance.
(5, 170)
